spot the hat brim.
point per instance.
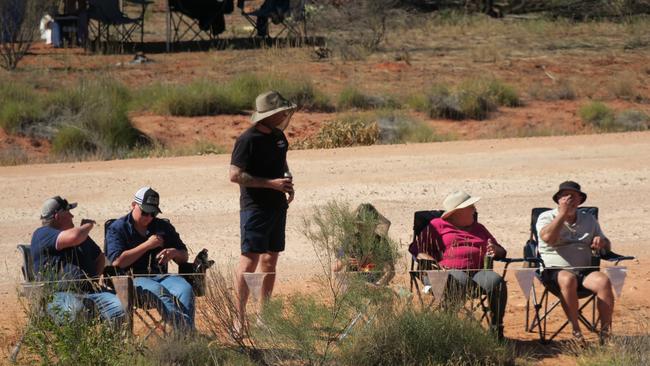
(150, 208)
(257, 117)
(470, 201)
(72, 205)
(556, 196)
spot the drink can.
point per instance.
(288, 175)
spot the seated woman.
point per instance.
(368, 247)
(456, 241)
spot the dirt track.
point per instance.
(511, 175)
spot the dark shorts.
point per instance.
(549, 277)
(262, 231)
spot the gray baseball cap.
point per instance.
(55, 204)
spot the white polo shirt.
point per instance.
(573, 248)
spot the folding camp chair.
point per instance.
(30, 289)
(419, 266)
(279, 12)
(194, 273)
(104, 15)
(191, 20)
(536, 320)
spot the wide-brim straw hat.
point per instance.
(456, 201)
(270, 103)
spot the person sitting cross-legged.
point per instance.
(142, 243)
(66, 254)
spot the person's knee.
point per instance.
(598, 282)
(567, 281)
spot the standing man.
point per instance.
(63, 252)
(259, 166)
(144, 244)
(567, 238)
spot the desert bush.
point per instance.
(424, 337)
(597, 114)
(474, 98)
(92, 118)
(13, 155)
(560, 90)
(204, 98)
(351, 97)
(623, 86)
(354, 29)
(632, 120)
(345, 132)
(79, 341)
(19, 106)
(398, 129)
(622, 351)
(193, 350)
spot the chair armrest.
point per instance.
(614, 257)
(510, 260)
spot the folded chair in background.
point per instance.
(287, 16)
(106, 16)
(538, 309)
(196, 20)
(421, 264)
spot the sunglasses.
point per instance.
(146, 214)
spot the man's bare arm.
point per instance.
(239, 176)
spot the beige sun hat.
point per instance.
(457, 200)
(270, 103)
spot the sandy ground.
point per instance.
(511, 176)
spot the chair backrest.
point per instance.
(106, 10)
(28, 264)
(530, 249)
(422, 218)
(107, 223)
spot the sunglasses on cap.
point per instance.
(64, 205)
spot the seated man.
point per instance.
(457, 241)
(61, 251)
(144, 244)
(566, 240)
(368, 247)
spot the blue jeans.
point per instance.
(171, 295)
(72, 304)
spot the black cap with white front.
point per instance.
(148, 200)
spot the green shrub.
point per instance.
(352, 98)
(561, 90)
(424, 337)
(473, 99)
(622, 351)
(76, 342)
(353, 131)
(71, 140)
(398, 129)
(16, 116)
(632, 120)
(191, 350)
(92, 118)
(204, 98)
(598, 114)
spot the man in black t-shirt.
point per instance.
(259, 166)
